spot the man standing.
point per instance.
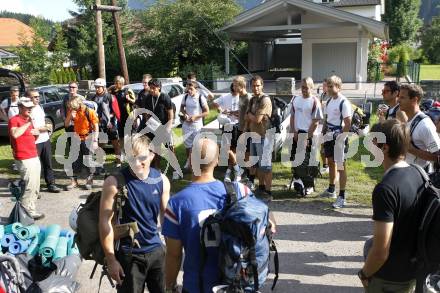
(44, 147)
(184, 216)
(108, 121)
(389, 265)
(23, 135)
(200, 87)
(148, 194)
(73, 93)
(145, 91)
(9, 106)
(425, 141)
(126, 99)
(228, 106)
(193, 108)
(390, 94)
(161, 106)
(338, 121)
(304, 118)
(85, 124)
(258, 121)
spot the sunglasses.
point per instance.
(73, 87)
(38, 96)
(386, 91)
(141, 158)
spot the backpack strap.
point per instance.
(315, 102)
(122, 194)
(340, 111)
(293, 105)
(231, 193)
(414, 124)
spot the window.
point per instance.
(173, 92)
(51, 96)
(63, 93)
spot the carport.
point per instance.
(321, 39)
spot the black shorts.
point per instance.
(235, 134)
(329, 148)
(248, 141)
(112, 133)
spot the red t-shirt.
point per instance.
(23, 146)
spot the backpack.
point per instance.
(87, 235)
(245, 242)
(428, 235)
(278, 107)
(184, 99)
(414, 124)
(306, 173)
(357, 117)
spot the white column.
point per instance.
(359, 59)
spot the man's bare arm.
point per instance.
(165, 197)
(173, 261)
(19, 131)
(379, 252)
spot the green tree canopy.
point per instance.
(403, 19)
(431, 41)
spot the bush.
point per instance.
(206, 73)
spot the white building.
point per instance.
(321, 37)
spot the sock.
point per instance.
(268, 192)
(342, 193)
(331, 188)
(251, 178)
(260, 187)
(325, 166)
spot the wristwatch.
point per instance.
(362, 276)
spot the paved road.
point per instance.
(320, 249)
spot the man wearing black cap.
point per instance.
(23, 135)
(9, 107)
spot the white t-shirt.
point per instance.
(304, 113)
(192, 107)
(38, 120)
(203, 90)
(231, 103)
(333, 113)
(425, 137)
(13, 108)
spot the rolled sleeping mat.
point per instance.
(12, 228)
(69, 246)
(2, 231)
(19, 246)
(27, 232)
(61, 250)
(8, 239)
(67, 233)
(33, 247)
(74, 249)
(49, 245)
(43, 230)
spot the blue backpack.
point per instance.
(245, 242)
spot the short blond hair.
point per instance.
(120, 79)
(334, 80)
(308, 81)
(240, 81)
(76, 102)
(140, 143)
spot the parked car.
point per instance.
(173, 88)
(10, 78)
(51, 98)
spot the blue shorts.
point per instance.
(264, 163)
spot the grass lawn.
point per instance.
(429, 72)
(360, 183)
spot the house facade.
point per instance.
(319, 37)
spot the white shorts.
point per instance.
(189, 133)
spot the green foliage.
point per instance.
(53, 77)
(205, 72)
(24, 18)
(59, 74)
(84, 74)
(374, 65)
(186, 35)
(403, 19)
(401, 55)
(431, 41)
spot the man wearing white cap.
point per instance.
(23, 136)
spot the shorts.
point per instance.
(112, 133)
(189, 133)
(248, 141)
(329, 148)
(264, 158)
(234, 138)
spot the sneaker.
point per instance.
(53, 188)
(228, 176)
(176, 175)
(36, 215)
(328, 194)
(89, 183)
(73, 184)
(324, 170)
(309, 190)
(339, 203)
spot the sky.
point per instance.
(56, 10)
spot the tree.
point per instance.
(431, 41)
(186, 35)
(403, 19)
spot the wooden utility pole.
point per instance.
(100, 42)
(114, 9)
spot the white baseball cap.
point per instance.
(25, 102)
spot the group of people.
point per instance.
(410, 139)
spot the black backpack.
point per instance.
(184, 99)
(428, 235)
(278, 107)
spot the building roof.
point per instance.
(272, 9)
(7, 55)
(11, 31)
(346, 3)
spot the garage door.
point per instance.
(334, 58)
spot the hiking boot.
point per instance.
(228, 176)
(309, 190)
(73, 184)
(265, 196)
(339, 203)
(36, 215)
(324, 170)
(328, 194)
(53, 188)
(89, 183)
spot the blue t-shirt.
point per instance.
(184, 217)
(143, 207)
